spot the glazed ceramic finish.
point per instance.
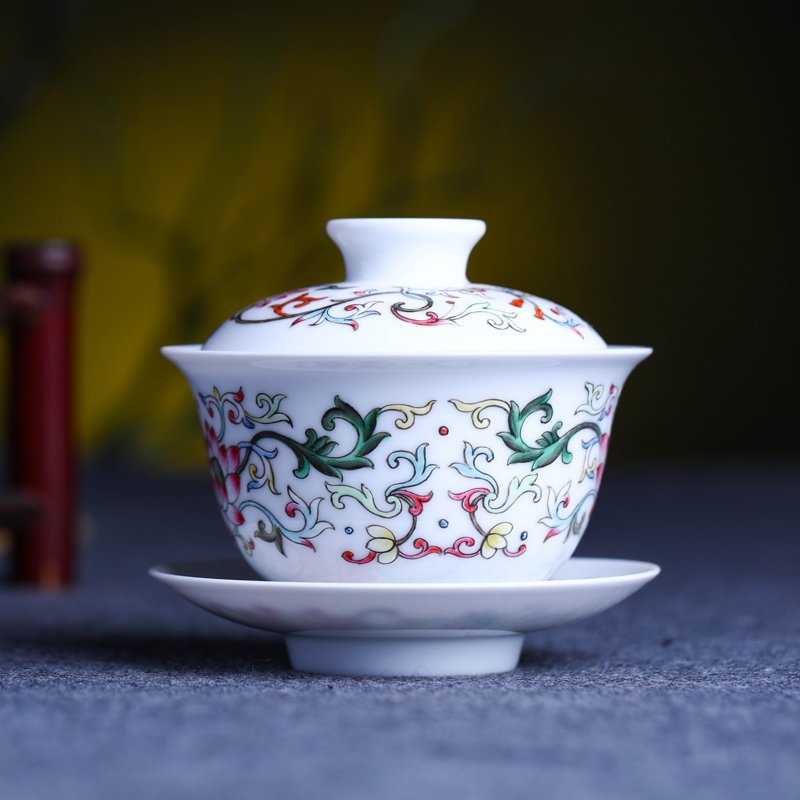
(409, 469)
(435, 629)
(375, 433)
(405, 291)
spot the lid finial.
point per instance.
(406, 251)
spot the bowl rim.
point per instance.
(193, 357)
(196, 351)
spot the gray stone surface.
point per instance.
(120, 689)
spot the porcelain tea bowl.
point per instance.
(406, 425)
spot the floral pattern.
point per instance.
(491, 477)
(572, 522)
(500, 308)
(602, 406)
(224, 464)
(383, 543)
(596, 404)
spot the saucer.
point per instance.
(411, 628)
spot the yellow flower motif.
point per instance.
(496, 540)
(383, 542)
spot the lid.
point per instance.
(405, 291)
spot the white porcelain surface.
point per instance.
(448, 434)
(405, 291)
(411, 629)
(447, 486)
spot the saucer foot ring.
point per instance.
(406, 629)
(393, 653)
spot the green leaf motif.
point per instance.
(549, 446)
(272, 414)
(364, 497)
(516, 489)
(594, 394)
(316, 450)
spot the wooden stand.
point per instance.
(37, 306)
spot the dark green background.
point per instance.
(634, 162)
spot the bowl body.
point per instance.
(406, 469)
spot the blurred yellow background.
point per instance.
(627, 160)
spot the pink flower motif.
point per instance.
(224, 463)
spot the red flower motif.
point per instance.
(467, 503)
(603, 452)
(224, 463)
(415, 501)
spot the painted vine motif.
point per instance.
(245, 467)
(345, 305)
(600, 405)
(383, 543)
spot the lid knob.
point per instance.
(404, 251)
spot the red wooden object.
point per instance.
(38, 307)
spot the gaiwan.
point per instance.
(405, 425)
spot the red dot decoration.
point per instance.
(443, 431)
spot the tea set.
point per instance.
(406, 460)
